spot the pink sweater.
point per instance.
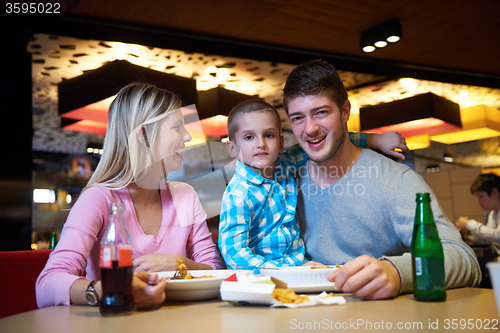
(183, 231)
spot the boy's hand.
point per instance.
(388, 142)
(462, 222)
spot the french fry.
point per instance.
(325, 267)
(289, 296)
(329, 295)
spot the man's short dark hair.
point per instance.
(485, 182)
(316, 77)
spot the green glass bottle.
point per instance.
(53, 240)
(427, 254)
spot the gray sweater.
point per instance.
(371, 210)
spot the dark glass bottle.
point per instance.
(53, 240)
(116, 266)
(427, 254)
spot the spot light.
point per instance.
(94, 149)
(368, 48)
(44, 195)
(448, 157)
(432, 168)
(380, 35)
(393, 39)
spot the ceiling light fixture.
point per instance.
(380, 35)
(84, 100)
(214, 106)
(478, 122)
(418, 141)
(412, 116)
(215, 126)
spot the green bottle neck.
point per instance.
(424, 212)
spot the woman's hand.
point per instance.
(148, 290)
(157, 262)
(164, 262)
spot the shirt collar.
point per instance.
(246, 173)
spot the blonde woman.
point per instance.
(165, 219)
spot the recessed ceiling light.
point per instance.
(379, 35)
(393, 39)
(368, 48)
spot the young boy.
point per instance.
(258, 227)
(486, 189)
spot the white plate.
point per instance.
(195, 289)
(303, 276)
(314, 288)
(304, 268)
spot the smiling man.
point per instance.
(356, 207)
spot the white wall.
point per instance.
(452, 188)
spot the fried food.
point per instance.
(324, 267)
(189, 276)
(289, 296)
(181, 269)
(182, 272)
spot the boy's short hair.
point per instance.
(485, 182)
(316, 77)
(248, 106)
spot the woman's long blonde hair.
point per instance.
(135, 105)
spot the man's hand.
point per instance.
(388, 142)
(367, 277)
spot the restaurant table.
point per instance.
(471, 308)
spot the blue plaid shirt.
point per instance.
(258, 227)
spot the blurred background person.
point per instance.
(486, 189)
(42, 239)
